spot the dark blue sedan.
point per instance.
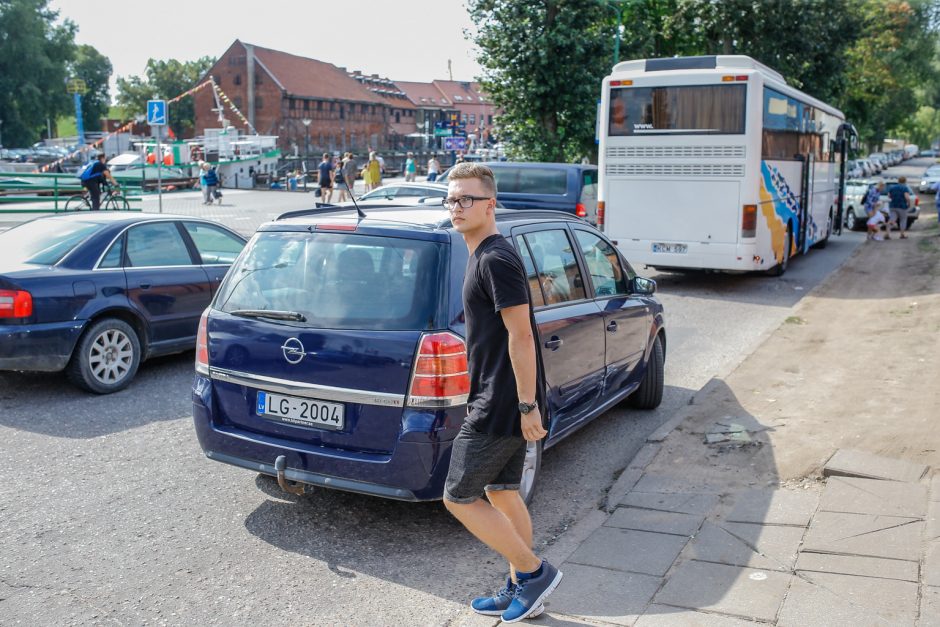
(95, 294)
(334, 355)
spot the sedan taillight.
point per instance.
(440, 377)
(202, 344)
(15, 304)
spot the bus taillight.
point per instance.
(749, 221)
(600, 214)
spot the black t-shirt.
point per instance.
(96, 174)
(495, 280)
(325, 167)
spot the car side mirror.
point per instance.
(644, 286)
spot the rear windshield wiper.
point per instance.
(275, 314)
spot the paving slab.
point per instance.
(935, 487)
(846, 601)
(682, 502)
(742, 592)
(665, 616)
(932, 564)
(560, 620)
(631, 551)
(872, 496)
(930, 607)
(865, 534)
(599, 594)
(774, 507)
(744, 544)
(662, 483)
(854, 463)
(933, 520)
(652, 520)
(858, 565)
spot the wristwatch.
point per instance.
(525, 408)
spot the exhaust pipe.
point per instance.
(280, 464)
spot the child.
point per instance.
(875, 220)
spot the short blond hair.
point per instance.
(469, 170)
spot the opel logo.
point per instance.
(293, 351)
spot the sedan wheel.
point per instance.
(530, 470)
(106, 358)
(851, 221)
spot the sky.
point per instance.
(409, 40)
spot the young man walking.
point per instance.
(503, 404)
(325, 179)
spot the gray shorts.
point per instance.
(899, 216)
(481, 462)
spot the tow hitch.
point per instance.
(280, 463)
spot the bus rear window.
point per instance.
(677, 110)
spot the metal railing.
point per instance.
(53, 188)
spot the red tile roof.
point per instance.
(305, 77)
(424, 95)
(462, 92)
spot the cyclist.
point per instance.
(92, 177)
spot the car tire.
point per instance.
(650, 393)
(106, 357)
(851, 220)
(531, 470)
(781, 268)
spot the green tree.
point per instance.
(166, 80)
(543, 61)
(95, 69)
(34, 54)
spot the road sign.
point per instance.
(455, 143)
(443, 132)
(156, 112)
(76, 86)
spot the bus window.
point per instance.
(686, 109)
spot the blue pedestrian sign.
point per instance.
(156, 112)
(455, 143)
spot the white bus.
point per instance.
(715, 163)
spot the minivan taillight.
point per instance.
(202, 344)
(440, 376)
(15, 304)
(580, 211)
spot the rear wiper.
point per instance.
(275, 314)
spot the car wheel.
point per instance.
(781, 268)
(650, 393)
(530, 470)
(106, 358)
(851, 220)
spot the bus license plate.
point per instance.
(670, 248)
(300, 411)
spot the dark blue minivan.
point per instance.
(333, 354)
(569, 187)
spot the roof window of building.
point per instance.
(443, 100)
(458, 98)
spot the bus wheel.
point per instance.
(781, 267)
(825, 241)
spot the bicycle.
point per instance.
(111, 200)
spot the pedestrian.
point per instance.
(92, 175)
(374, 170)
(410, 168)
(325, 177)
(935, 188)
(873, 203)
(209, 179)
(339, 181)
(900, 201)
(434, 168)
(503, 412)
(350, 170)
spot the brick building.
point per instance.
(313, 106)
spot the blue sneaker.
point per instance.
(496, 605)
(530, 592)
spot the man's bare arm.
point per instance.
(522, 354)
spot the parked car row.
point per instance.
(855, 213)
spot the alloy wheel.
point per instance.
(111, 356)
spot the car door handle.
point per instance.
(554, 343)
(612, 326)
(145, 286)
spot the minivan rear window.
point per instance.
(531, 180)
(341, 280)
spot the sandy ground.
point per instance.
(856, 365)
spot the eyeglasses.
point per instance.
(465, 202)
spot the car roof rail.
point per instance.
(320, 209)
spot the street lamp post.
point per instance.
(617, 6)
(306, 122)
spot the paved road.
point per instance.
(111, 514)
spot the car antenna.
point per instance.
(362, 214)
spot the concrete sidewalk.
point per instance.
(798, 490)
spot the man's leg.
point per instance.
(510, 503)
(94, 190)
(494, 528)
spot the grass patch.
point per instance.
(926, 245)
(794, 320)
